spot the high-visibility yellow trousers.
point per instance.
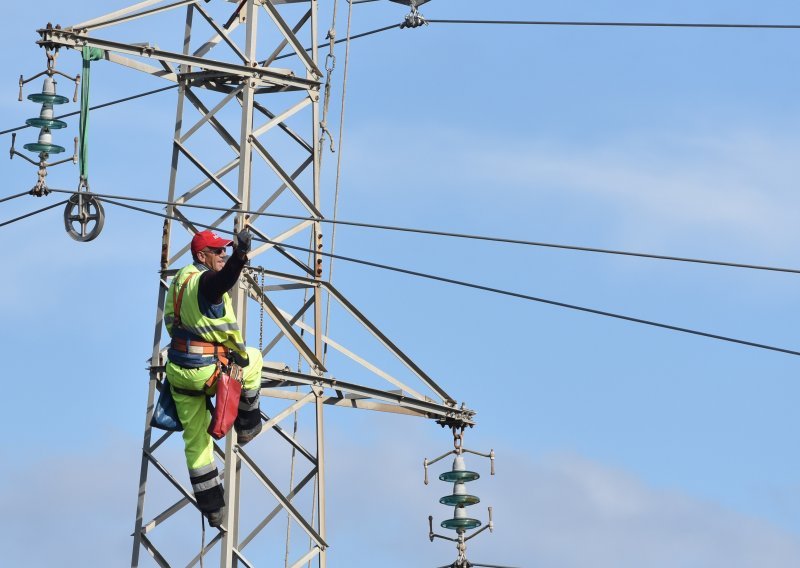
(195, 418)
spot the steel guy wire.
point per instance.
(619, 24)
(32, 213)
(458, 235)
(491, 289)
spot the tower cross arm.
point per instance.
(444, 414)
(266, 76)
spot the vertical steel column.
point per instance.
(238, 296)
(317, 267)
(155, 358)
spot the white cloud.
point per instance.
(563, 511)
(575, 512)
(737, 184)
(722, 184)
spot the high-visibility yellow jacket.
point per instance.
(223, 330)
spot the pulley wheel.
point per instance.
(84, 217)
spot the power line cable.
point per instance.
(491, 289)
(443, 21)
(618, 24)
(103, 105)
(32, 213)
(552, 302)
(10, 197)
(459, 235)
(356, 36)
(155, 91)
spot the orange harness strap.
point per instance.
(199, 347)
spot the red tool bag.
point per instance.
(229, 388)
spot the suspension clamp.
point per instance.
(414, 20)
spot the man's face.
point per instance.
(213, 258)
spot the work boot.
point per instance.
(215, 518)
(248, 421)
(246, 435)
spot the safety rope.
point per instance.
(202, 537)
(296, 422)
(291, 483)
(330, 66)
(338, 175)
(89, 54)
(313, 509)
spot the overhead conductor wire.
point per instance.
(458, 235)
(103, 105)
(167, 88)
(32, 213)
(531, 243)
(453, 21)
(488, 288)
(478, 22)
(619, 24)
(10, 197)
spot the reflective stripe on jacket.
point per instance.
(223, 330)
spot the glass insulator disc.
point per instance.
(463, 524)
(52, 99)
(453, 476)
(455, 500)
(49, 148)
(49, 123)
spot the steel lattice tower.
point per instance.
(227, 88)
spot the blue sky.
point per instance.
(618, 445)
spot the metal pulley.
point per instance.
(84, 217)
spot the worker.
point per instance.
(205, 339)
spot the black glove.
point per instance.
(239, 359)
(244, 241)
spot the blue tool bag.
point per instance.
(165, 414)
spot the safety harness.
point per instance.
(198, 347)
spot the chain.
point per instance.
(261, 318)
(51, 60)
(458, 439)
(40, 188)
